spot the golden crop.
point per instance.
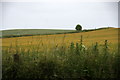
(48, 41)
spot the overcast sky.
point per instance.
(59, 15)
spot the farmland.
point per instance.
(62, 55)
(89, 38)
(30, 32)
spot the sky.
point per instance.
(119, 15)
(58, 15)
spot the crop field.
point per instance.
(29, 32)
(83, 55)
(89, 38)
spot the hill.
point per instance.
(30, 32)
(89, 38)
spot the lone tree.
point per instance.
(78, 27)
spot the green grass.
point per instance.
(30, 32)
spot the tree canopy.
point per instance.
(78, 27)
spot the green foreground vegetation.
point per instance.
(61, 62)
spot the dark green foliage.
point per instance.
(78, 27)
(16, 58)
(77, 48)
(72, 47)
(95, 49)
(81, 40)
(105, 50)
(116, 65)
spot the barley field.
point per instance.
(83, 55)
